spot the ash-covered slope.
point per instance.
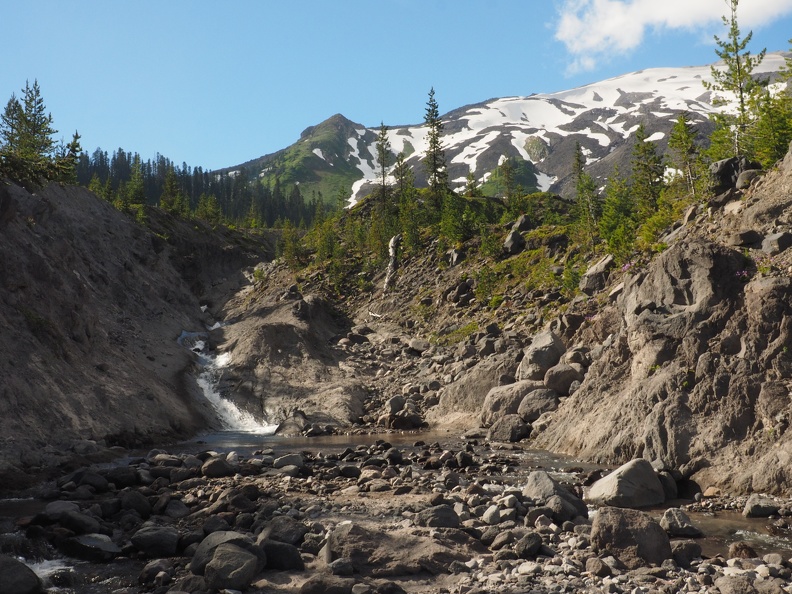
(540, 129)
(694, 370)
(91, 307)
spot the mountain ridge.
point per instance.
(541, 128)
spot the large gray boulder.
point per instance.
(632, 536)
(514, 243)
(634, 484)
(561, 377)
(541, 487)
(156, 541)
(505, 400)
(596, 277)
(677, 523)
(775, 243)
(206, 550)
(537, 402)
(232, 568)
(544, 352)
(725, 173)
(438, 516)
(508, 428)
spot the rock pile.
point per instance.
(369, 519)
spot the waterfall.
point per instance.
(208, 379)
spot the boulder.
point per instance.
(596, 277)
(541, 487)
(90, 547)
(760, 507)
(544, 352)
(776, 243)
(514, 243)
(746, 178)
(80, 523)
(217, 467)
(736, 584)
(560, 378)
(677, 523)
(438, 516)
(505, 400)
(134, 500)
(232, 568)
(294, 459)
(419, 345)
(282, 556)
(630, 535)
(509, 428)
(283, 529)
(725, 173)
(528, 546)
(372, 551)
(537, 402)
(17, 578)
(685, 551)
(55, 510)
(205, 551)
(634, 484)
(156, 541)
(745, 238)
(522, 224)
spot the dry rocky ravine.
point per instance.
(677, 366)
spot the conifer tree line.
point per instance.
(124, 178)
(626, 211)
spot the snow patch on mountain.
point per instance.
(606, 112)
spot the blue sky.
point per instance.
(219, 83)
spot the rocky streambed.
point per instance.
(451, 515)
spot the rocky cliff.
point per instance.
(696, 371)
(91, 306)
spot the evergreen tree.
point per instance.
(27, 152)
(409, 211)
(617, 224)
(647, 174)
(11, 125)
(96, 186)
(66, 161)
(684, 152)
(472, 188)
(771, 132)
(587, 204)
(736, 78)
(35, 139)
(383, 159)
(135, 191)
(434, 160)
(173, 200)
(208, 209)
(507, 179)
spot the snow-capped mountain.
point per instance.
(540, 129)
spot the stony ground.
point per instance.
(459, 517)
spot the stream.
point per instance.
(245, 435)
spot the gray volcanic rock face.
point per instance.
(91, 306)
(695, 374)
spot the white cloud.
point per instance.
(596, 29)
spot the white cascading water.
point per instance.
(232, 418)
